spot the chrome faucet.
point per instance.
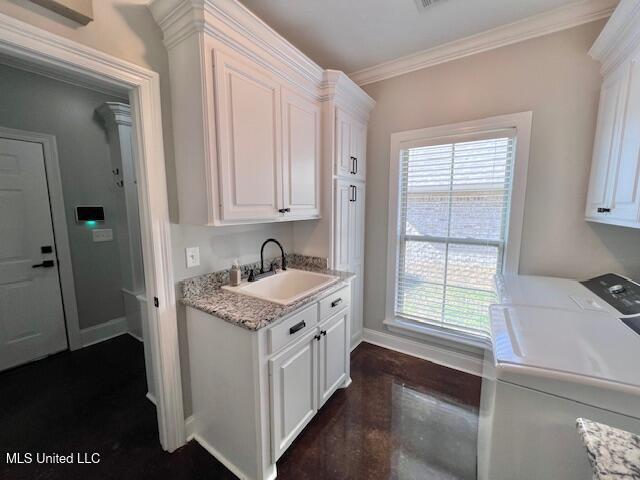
(253, 277)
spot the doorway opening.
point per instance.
(45, 54)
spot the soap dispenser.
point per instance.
(234, 274)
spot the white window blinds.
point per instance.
(453, 214)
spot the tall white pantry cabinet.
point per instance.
(263, 134)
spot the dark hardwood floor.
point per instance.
(401, 418)
(91, 400)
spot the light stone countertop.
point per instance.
(614, 454)
(205, 293)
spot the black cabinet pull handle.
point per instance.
(603, 210)
(353, 193)
(336, 302)
(323, 332)
(317, 337)
(45, 264)
(284, 210)
(355, 163)
(297, 327)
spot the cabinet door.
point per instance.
(343, 194)
(606, 145)
(357, 306)
(356, 224)
(334, 354)
(625, 206)
(344, 163)
(300, 155)
(358, 150)
(249, 140)
(293, 391)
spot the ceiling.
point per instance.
(350, 35)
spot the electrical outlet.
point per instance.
(102, 234)
(193, 256)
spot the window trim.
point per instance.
(521, 122)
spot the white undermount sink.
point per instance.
(285, 287)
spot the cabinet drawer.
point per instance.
(335, 302)
(292, 328)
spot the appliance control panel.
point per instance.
(619, 292)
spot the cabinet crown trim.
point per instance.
(620, 37)
(228, 18)
(338, 87)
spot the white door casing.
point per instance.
(31, 315)
(52, 54)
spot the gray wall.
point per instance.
(39, 104)
(555, 78)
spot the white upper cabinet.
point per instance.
(249, 141)
(614, 193)
(351, 140)
(246, 110)
(300, 155)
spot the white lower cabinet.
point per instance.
(253, 392)
(333, 355)
(294, 392)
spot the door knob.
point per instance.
(45, 264)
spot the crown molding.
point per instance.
(555, 20)
(115, 113)
(338, 87)
(620, 37)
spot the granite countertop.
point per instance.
(205, 293)
(614, 454)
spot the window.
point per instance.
(454, 221)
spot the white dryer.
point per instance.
(561, 350)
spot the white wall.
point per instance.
(39, 104)
(555, 78)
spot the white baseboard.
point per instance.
(104, 331)
(433, 353)
(137, 337)
(189, 428)
(221, 458)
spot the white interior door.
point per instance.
(31, 314)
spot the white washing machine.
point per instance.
(561, 350)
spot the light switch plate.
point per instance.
(193, 256)
(102, 234)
